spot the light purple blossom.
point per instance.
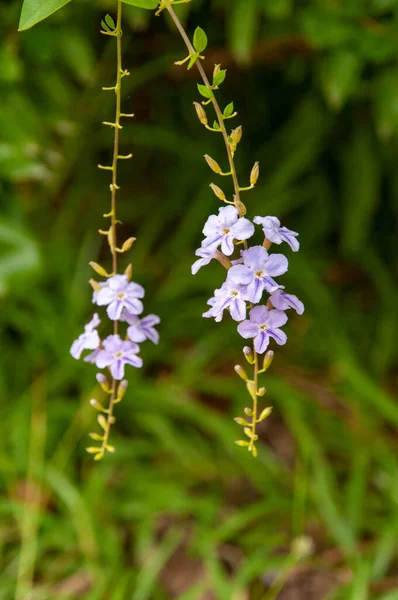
(283, 301)
(206, 254)
(89, 340)
(232, 296)
(263, 325)
(257, 271)
(116, 353)
(118, 293)
(277, 234)
(224, 228)
(142, 329)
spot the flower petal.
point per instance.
(261, 342)
(238, 309)
(277, 264)
(247, 329)
(243, 229)
(279, 336)
(117, 369)
(104, 359)
(227, 245)
(240, 274)
(259, 315)
(276, 318)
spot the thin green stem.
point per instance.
(237, 189)
(255, 399)
(114, 187)
(216, 106)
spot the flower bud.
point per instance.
(97, 405)
(268, 358)
(241, 443)
(242, 210)
(241, 372)
(98, 269)
(236, 135)
(241, 421)
(251, 388)
(248, 411)
(261, 391)
(218, 191)
(129, 272)
(121, 390)
(265, 413)
(214, 166)
(128, 243)
(200, 111)
(254, 174)
(95, 285)
(102, 380)
(248, 353)
(216, 71)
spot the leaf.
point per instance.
(228, 110)
(204, 91)
(199, 40)
(149, 4)
(34, 11)
(192, 61)
(110, 22)
(219, 78)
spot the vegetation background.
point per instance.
(180, 511)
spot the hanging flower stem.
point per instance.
(112, 237)
(237, 189)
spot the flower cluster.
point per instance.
(250, 276)
(123, 301)
(250, 293)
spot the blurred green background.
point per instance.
(180, 511)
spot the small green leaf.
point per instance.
(204, 91)
(34, 11)
(105, 26)
(219, 78)
(110, 22)
(192, 61)
(216, 125)
(228, 110)
(199, 40)
(149, 4)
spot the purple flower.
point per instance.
(142, 329)
(117, 353)
(224, 228)
(89, 340)
(232, 296)
(283, 301)
(257, 271)
(118, 293)
(206, 255)
(262, 325)
(277, 234)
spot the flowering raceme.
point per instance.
(250, 286)
(121, 296)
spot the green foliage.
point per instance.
(178, 501)
(34, 11)
(204, 91)
(149, 4)
(199, 40)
